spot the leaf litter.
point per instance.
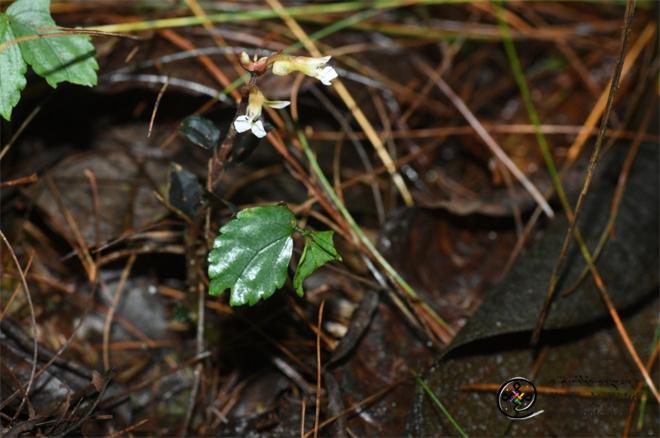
(256, 368)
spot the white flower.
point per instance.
(315, 67)
(327, 75)
(251, 120)
(244, 123)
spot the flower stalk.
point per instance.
(280, 65)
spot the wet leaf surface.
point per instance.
(185, 190)
(251, 255)
(627, 264)
(592, 360)
(510, 311)
(201, 132)
(125, 189)
(450, 260)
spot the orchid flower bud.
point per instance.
(282, 65)
(245, 59)
(255, 65)
(251, 120)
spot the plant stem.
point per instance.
(442, 407)
(357, 231)
(572, 227)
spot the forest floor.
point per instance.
(436, 157)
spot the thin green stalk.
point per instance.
(572, 227)
(531, 109)
(263, 14)
(225, 17)
(335, 27)
(442, 407)
(355, 228)
(547, 157)
(643, 398)
(642, 411)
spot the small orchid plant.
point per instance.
(252, 252)
(280, 65)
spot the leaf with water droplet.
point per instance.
(251, 254)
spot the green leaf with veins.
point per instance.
(251, 254)
(319, 250)
(12, 70)
(58, 59)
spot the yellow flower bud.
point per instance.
(282, 65)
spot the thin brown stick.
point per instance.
(638, 389)
(135, 345)
(128, 429)
(600, 285)
(616, 201)
(199, 12)
(206, 61)
(593, 160)
(16, 289)
(152, 119)
(354, 407)
(68, 341)
(143, 384)
(604, 99)
(166, 203)
(496, 128)
(626, 340)
(146, 248)
(318, 371)
(64, 33)
(579, 391)
(33, 323)
(112, 310)
(79, 244)
(587, 130)
(486, 137)
(302, 417)
(20, 130)
(29, 179)
(346, 96)
(199, 368)
(97, 208)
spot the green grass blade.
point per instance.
(440, 406)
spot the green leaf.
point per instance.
(12, 70)
(319, 250)
(68, 58)
(58, 59)
(251, 255)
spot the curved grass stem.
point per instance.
(364, 240)
(573, 216)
